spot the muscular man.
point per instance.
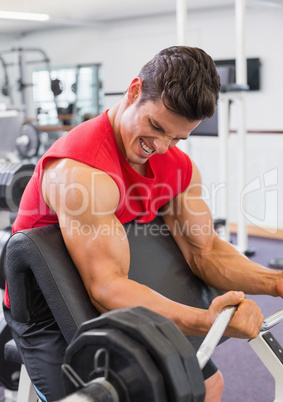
(125, 165)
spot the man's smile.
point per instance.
(145, 148)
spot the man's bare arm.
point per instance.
(217, 262)
(85, 201)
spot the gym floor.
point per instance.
(246, 378)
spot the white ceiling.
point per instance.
(92, 12)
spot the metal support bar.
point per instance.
(26, 391)
(223, 133)
(242, 239)
(239, 98)
(236, 94)
(240, 25)
(26, 86)
(241, 79)
(268, 355)
(181, 17)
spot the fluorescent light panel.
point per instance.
(11, 15)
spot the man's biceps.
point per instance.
(96, 229)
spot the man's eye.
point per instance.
(155, 127)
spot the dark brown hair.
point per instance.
(185, 79)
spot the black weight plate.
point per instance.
(18, 184)
(131, 369)
(143, 329)
(2, 174)
(183, 347)
(4, 179)
(7, 178)
(4, 167)
(13, 182)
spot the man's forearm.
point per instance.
(225, 268)
(121, 293)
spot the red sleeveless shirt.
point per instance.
(93, 143)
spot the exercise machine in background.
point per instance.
(18, 63)
(19, 135)
(49, 101)
(19, 139)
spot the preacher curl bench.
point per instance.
(39, 270)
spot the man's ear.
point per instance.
(135, 89)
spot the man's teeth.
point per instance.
(147, 150)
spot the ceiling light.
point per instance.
(23, 16)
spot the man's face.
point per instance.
(150, 128)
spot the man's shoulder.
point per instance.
(86, 143)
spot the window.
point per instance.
(80, 94)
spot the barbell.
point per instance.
(136, 355)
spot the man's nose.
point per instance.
(161, 145)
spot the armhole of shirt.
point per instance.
(189, 172)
